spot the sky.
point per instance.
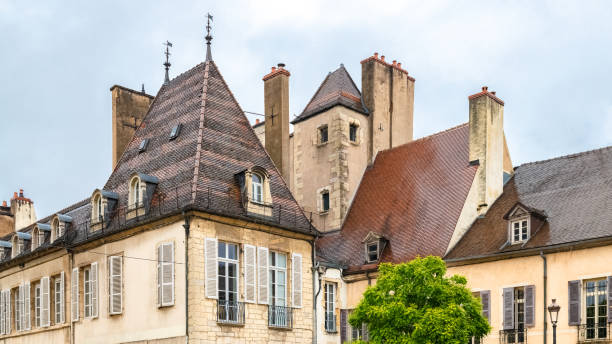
(550, 61)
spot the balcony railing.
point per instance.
(230, 312)
(330, 322)
(594, 333)
(513, 336)
(279, 316)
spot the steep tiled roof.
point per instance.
(412, 196)
(574, 192)
(338, 88)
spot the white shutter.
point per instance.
(250, 273)
(44, 311)
(160, 259)
(93, 275)
(74, 296)
(26, 306)
(115, 276)
(167, 287)
(2, 331)
(19, 309)
(262, 273)
(62, 298)
(8, 311)
(296, 280)
(211, 267)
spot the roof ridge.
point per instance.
(428, 136)
(316, 92)
(572, 155)
(196, 168)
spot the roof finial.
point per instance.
(167, 63)
(143, 90)
(208, 37)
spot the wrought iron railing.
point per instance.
(230, 312)
(330, 322)
(279, 316)
(594, 333)
(514, 336)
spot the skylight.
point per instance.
(176, 130)
(143, 145)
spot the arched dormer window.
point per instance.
(141, 188)
(56, 231)
(135, 199)
(102, 203)
(18, 242)
(38, 234)
(35, 238)
(97, 209)
(257, 187)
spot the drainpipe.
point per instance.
(545, 280)
(186, 225)
(315, 270)
(71, 315)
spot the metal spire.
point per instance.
(208, 37)
(167, 63)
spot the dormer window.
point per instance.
(372, 252)
(140, 191)
(18, 243)
(135, 199)
(520, 231)
(176, 130)
(374, 245)
(38, 235)
(102, 203)
(520, 219)
(97, 208)
(56, 231)
(257, 187)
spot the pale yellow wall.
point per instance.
(203, 327)
(562, 267)
(141, 318)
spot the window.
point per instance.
(520, 231)
(17, 245)
(278, 280)
(18, 308)
(90, 290)
(22, 307)
(135, 197)
(596, 307)
(165, 274)
(74, 294)
(330, 307)
(37, 304)
(257, 187)
(58, 300)
(115, 280)
(45, 319)
(227, 259)
(323, 134)
(353, 132)
(97, 213)
(36, 242)
(143, 145)
(325, 201)
(175, 131)
(372, 252)
(518, 313)
(56, 229)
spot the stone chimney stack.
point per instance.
(22, 210)
(129, 108)
(276, 104)
(388, 94)
(487, 145)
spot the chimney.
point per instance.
(22, 210)
(388, 94)
(129, 108)
(487, 145)
(276, 109)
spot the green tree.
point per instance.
(415, 303)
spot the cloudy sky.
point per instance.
(550, 61)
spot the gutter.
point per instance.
(186, 225)
(545, 287)
(315, 270)
(71, 260)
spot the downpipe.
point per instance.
(545, 282)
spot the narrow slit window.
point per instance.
(323, 134)
(372, 252)
(353, 133)
(325, 201)
(176, 130)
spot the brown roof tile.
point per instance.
(412, 196)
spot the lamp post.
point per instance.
(553, 310)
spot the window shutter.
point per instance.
(160, 258)
(2, 322)
(508, 297)
(44, 312)
(62, 298)
(262, 274)
(8, 311)
(115, 272)
(250, 273)
(529, 305)
(574, 302)
(94, 289)
(610, 299)
(26, 307)
(365, 336)
(74, 296)
(19, 309)
(212, 267)
(168, 274)
(485, 299)
(296, 280)
(343, 325)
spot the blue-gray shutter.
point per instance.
(610, 299)
(574, 302)
(508, 308)
(485, 299)
(343, 321)
(530, 305)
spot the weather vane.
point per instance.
(167, 64)
(208, 37)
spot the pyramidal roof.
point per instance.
(200, 168)
(338, 88)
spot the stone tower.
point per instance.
(129, 108)
(388, 94)
(276, 104)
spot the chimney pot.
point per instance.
(281, 65)
(273, 69)
(375, 55)
(394, 62)
(484, 88)
(382, 58)
(493, 92)
(20, 192)
(15, 195)
(257, 121)
(4, 203)
(399, 65)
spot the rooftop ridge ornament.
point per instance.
(208, 36)
(167, 64)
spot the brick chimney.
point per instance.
(129, 108)
(388, 93)
(276, 104)
(487, 145)
(22, 211)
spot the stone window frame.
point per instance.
(136, 192)
(357, 124)
(266, 205)
(320, 129)
(320, 192)
(519, 220)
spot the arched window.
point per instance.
(135, 197)
(257, 187)
(56, 229)
(35, 238)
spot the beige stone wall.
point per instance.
(129, 108)
(337, 164)
(579, 264)
(260, 131)
(7, 224)
(203, 327)
(23, 213)
(276, 109)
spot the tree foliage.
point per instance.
(416, 303)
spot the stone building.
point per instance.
(18, 214)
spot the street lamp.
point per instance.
(553, 310)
